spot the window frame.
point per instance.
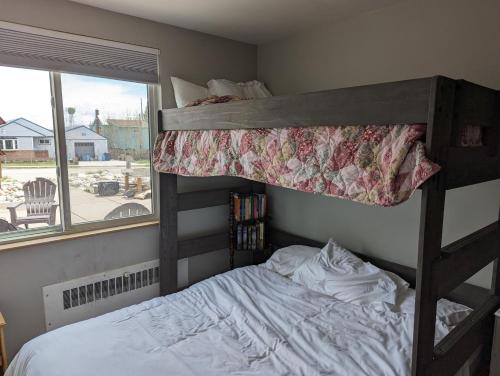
(3, 142)
(66, 227)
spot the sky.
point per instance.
(26, 93)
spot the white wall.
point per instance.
(49, 147)
(24, 143)
(188, 54)
(415, 38)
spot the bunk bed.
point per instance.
(449, 108)
(253, 321)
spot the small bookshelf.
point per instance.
(248, 224)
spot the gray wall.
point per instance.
(416, 38)
(191, 55)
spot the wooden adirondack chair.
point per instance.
(131, 209)
(39, 202)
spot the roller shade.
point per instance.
(29, 47)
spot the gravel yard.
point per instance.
(86, 206)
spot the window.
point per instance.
(100, 178)
(8, 144)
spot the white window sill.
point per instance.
(58, 237)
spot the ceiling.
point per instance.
(252, 21)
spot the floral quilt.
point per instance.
(374, 165)
(214, 99)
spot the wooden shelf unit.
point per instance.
(258, 254)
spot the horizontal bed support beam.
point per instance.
(207, 198)
(467, 166)
(465, 257)
(280, 239)
(203, 244)
(203, 199)
(386, 103)
(462, 341)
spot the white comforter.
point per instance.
(249, 321)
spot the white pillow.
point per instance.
(246, 90)
(186, 92)
(336, 254)
(286, 260)
(223, 87)
(338, 273)
(255, 89)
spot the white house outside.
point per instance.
(23, 135)
(85, 144)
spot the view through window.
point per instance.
(107, 132)
(107, 143)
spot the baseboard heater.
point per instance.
(93, 295)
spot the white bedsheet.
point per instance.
(249, 321)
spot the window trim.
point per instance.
(66, 228)
(34, 240)
(15, 145)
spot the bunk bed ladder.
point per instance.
(440, 270)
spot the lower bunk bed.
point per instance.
(306, 311)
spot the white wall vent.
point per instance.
(90, 296)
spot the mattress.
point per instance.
(249, 321)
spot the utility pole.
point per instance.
(1, 155)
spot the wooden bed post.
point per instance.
(168, 234)
(438, 137)
(495, 277)
(168, 228)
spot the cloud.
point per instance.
(114, 99)
(26, 93)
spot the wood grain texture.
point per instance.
(203, 244)
(475, 330)
(495, 350)
(468, 166)
(478, 106)
(208, 198)
(439, 123)
(474, 105)
(465, 257)
(495, 276)
(386, 103)
(168, 234)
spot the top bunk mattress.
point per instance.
(375, 164)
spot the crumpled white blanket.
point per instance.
(249, 321)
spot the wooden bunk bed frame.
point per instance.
(446, 106)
